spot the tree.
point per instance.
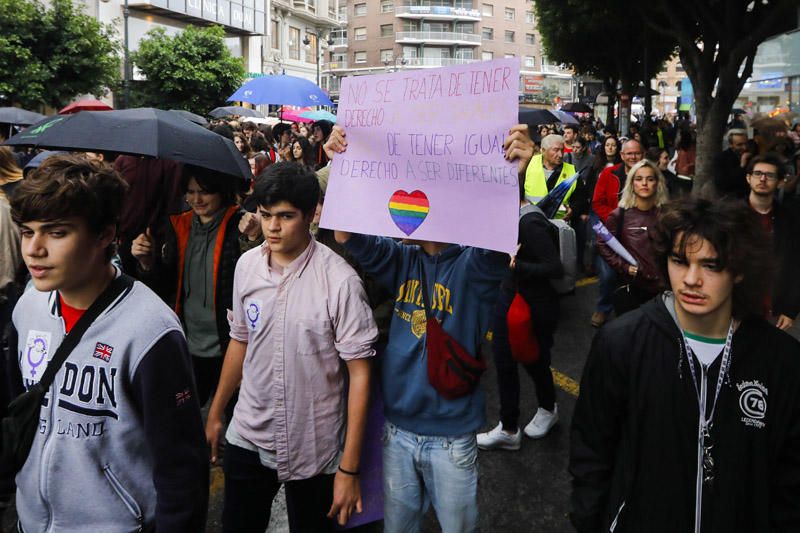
(49, 56)
(193, 70)
(718, 41)
(603, 39)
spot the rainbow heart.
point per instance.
(408, 210)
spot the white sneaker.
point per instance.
(542, 422)
(497, 439)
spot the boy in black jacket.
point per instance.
(689, 414)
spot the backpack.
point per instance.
(567, 250)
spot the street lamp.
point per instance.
(307, 43)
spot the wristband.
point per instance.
(348, 472)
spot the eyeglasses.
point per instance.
(758, 174)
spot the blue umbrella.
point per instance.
(319, 114)
(280, 89)
(550, 203)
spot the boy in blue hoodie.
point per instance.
(430, 449)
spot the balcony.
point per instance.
(441, 37)
(339, 42)
(428, 12)
(436, 61)
(333, 66)
(556, 69)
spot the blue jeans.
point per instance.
(419, 470)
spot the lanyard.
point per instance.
(705, 423)
(723, 371)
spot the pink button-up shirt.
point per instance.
(298, 326)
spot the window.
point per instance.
(509, 36)
(387, 30)
(294, 43)
(360, 57)
(529, 17)
(509, 13)
(311, 50)
(530, 38)
(387, 55)
(360, 34)
(276, 35)
(530, 61)
(487, 56)
(410, 25)
(360, 10)
(679, 67)
(507, 56)
(410, 51)
(387, 6)
(487, 10)
(487, 34)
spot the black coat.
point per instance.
(730, 178)
(635, 427)
(786, 239)
(537, 263)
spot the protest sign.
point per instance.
(425, 156)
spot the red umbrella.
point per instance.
(85, 105)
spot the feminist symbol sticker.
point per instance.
(252, 312)
(35, 355)
(408, 210)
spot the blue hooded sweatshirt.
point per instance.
(463, 284)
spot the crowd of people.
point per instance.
(181, 288)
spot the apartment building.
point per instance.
(299, 35)
(382, 35)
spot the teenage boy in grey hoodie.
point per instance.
(120, 445)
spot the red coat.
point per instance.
(607, 190)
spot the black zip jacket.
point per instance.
(634, 444)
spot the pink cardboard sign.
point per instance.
(425, 156)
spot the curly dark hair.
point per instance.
(68, 185)
(743, 247)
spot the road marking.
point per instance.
(586, 281)
(566, 383)
(217, 480)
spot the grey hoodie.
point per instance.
(120, 446)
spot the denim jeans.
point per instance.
(420, 470)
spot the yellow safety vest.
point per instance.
(536, 183)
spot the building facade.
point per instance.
(385, 35)
(299, 36)
(244, 22)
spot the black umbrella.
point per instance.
(576, 107)
(191, 117)
(15, 115)
(144, 131)
(536, 117)
(230, 110)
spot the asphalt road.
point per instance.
(522, 491)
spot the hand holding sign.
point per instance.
(427, 150)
